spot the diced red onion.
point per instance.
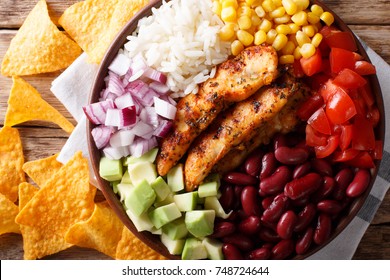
(122, 138)
(124, 101)
(148, 115)
(96, 112)
(101, 135)
(139, 147)
(120, 64)
(159, 87)
(147, 99)
(141, 129)
(121, 117)
(116, 153)
(137, 88)
(126, 78)
(115, 85)
(163, 129)
(155, 75)
(164, 109)
(138, 63)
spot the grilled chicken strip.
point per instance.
(284, 122)
(232, 127)
(235, 80)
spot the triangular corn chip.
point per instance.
(8, 212)
(42, 170)
(38, 47)
(26, 104)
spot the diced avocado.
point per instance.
(156, 231)
(213, 248)
(186, 201)
(213, 203)
(124, 191)
(126, 178)
(161, 188)
(175, 178)
(164, 214)
(141, 222)
(110, 169)
(149, 156)
(213, 177)
(208, 189)
(142, 170)
(166, 201)
(193, 250)
(200, 223)
(140, 198)
(176, 229)
(175, 247)
(114, 186)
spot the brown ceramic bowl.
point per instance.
(152, 240)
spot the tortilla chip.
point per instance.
(65, 199)
(8, 212)
(26, 104)
(42, 170)
(87, 21)
(26, 193)
(131, 248)
(123, 12)
(11, 162)
(39, 47)
(102, 231)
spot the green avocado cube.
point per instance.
(149, 156)
(208, 189)
(193, 250)
(161, 188)
(175, 178)
(175, 247)
(140, 198)
(186, 201)
(213, 248)
(126, 178)
(200, 223)
(176, 229)
(164, 214)
(110, 169)
(142, 170)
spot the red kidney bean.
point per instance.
(291, 156)
(250, 202)
(233, 217)
(237, 196)
(359, 183)
(301, 202)
(268, 245)
(304, 242)
(231, 252)
(250, 225)
(239, 178)
(303, 186)
(322, 166)
(260, 254)
(330, 207)
(325, 190)
(268, 165)
(305, 217)
(265, 223)
(268, 235)
(282, 249)
(276, 209)
(275, 183)
(280, 141)
(223, 229)
(266, 202)
(301, 170)
(343, 178)
(323, 229)
(241, 241)
(227, 197)
(252, 164)
(286, 224)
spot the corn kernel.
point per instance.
(316, 9)
(309, 30)
(244, 11)
(268, 5)
(278, 12)
(293, 38)
(245, 37)
(259, 11)
(297, 53)
(236, 47)
(266, 25)
(307, 50)
(302, 38)
(327, 18)
(281, 20)
(316, 40)
(300, 18)
(279, 42)
(312, 18)
(227, 32)
(260, 37)
(256, 21)
(277, 3)
(228, 14)
(230, 3)
(271, 35)
(250, 2)
(217, 8)
(290, 6)
(286, 59)
(288, 48)
(244, 22)
(302, 4)
(283, 29)
(294, 28)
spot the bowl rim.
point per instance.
(153, 241)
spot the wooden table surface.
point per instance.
(369, 19)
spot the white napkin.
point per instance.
(73, 86)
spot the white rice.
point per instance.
(181, 39)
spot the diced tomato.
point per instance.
(319, 121)
(328, 90)
(345, 136)
(358, 57)
(314, 138)
(340, 107)
(343, 40)
(317, 80)
(340, 59)
(341, 156)
(360, 104)
(329, 148)
(348, 79)
(298, 71)
(363, 137)
(366, 93)
(373, 116)
(310, 106)
(313, 64)
(364, 68)
(362, 160)
(378, 152)
(327, 30)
